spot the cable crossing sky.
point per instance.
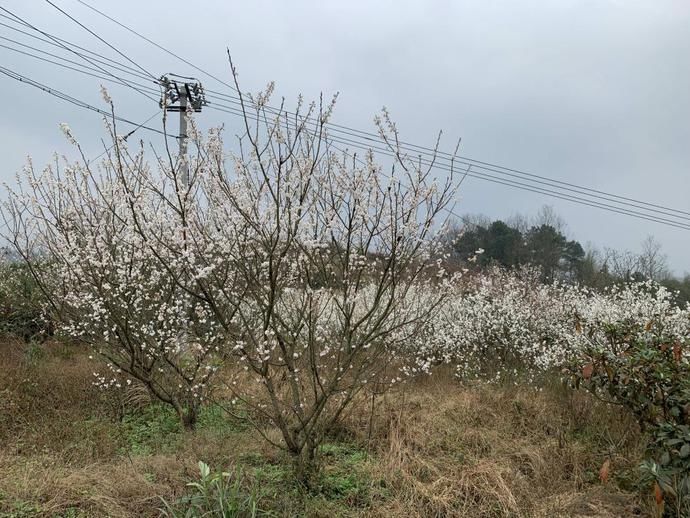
(134, 76)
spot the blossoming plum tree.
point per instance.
(334, 251)
(109, 246)
(506, 323)
(301, 263)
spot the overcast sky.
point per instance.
(595, 93)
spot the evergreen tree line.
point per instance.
(542, 241)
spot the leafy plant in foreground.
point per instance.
(647, 371)
(218, 494)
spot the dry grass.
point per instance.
(436, 449)
(489, 451)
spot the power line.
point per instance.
(169, 52)
(73, 100)
(476, 175)
(511, 183)
(103, 59)
(492, 179)
(498, 169)
(360, 145)
(425, 150)
(468, 163)
(76, 63)
(386, 152)
(476, 164)
(369, 136)
(102, 40)
(84, 69)
(27, 24)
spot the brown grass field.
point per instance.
(435, 449)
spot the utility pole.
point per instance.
(183, 139)
(182, 94)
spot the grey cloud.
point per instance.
(590, 92)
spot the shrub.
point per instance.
(22, 303)
(647, 371)
(218, 494)
(503, 324)
(507, 323)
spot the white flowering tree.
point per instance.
(646, 307)
(502, 324)
(110, 246)
(301, 263)
(333, 254)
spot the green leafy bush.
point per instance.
(218, 494)
(646, 369)
(22, 305)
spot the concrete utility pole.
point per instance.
(182, 94)
(183, 139)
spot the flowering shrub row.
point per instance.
(507, 323)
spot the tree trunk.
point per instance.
(306, 466)
(188, 417)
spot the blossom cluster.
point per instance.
(507, 323)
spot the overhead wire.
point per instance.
(409, 146)
(98, 57)
(358, 144)
(102, 40)
(477, 175)
(492, 179)
(464, 162)
(88, 70)
(488, 177)
(160, 47)
(437, 154)
(83, 69)
(73, 100)
(359, 134)
(69, 49)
